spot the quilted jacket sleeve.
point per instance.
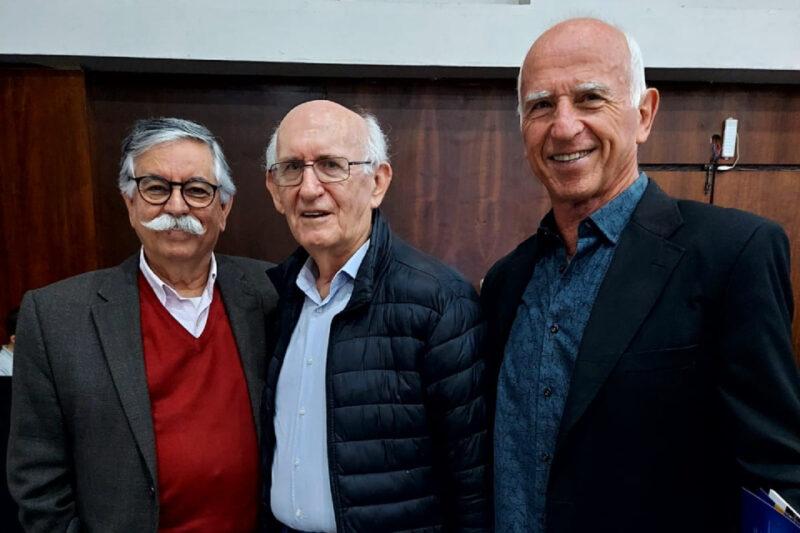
(455, 383)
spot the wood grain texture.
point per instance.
(47, 218)
(773, 195)
(462, 190)
(769, 123)
(681, 184)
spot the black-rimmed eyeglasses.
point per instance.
(327, 170)
(156, 190)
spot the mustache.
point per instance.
(167, 222)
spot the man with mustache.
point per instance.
(136, 388)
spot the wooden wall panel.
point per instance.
(462, 190)
(240, 112)
(769, 123)
(47, 219)
(681, 184)
(773, 195)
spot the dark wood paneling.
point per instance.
(241, 112)
(769, 123)
(462, 190)
(686, 185)
(773, 195)
(47, 221)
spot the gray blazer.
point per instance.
(82, 449)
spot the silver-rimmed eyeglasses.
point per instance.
(327, 170)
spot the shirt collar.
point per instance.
(307, 279)
(162, 290)
(612, 218)
(609, 220)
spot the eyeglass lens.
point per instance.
(157, 190)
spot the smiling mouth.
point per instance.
(314, 214)
(572, 156)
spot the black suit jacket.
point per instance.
(82, 453)
(685, 387)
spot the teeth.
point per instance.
(571, 157)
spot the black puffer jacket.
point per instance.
(407, 436)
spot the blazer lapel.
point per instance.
(504, 300)
(641, 267)
(248, 324)
(116, 317)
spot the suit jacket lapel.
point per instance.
(641, 267)
(116, 317)
(247, 321)
(506, 297)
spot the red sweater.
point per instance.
(206, 445)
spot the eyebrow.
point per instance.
(535, 96)
(592, 86)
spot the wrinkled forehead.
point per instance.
(319, 132)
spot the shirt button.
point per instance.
(547, 392)
(296, 463)
(546, 458)
(319, 310)
(298, 513)
(554, 328)
(309, 361)
(302, 411)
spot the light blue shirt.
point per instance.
(300, 494)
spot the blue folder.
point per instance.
(760, 516)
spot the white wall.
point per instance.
(732, 34)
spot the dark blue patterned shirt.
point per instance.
(540, 355)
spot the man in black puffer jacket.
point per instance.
(374, 415)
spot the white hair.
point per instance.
(151, 132)
(376, 148)
(637, 86)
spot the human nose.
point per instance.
(566, 122)
(176, 203)
(310, 186)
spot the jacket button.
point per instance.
(554, 328)
(547, 392)
(152, 490)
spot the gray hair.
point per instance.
(151, 132)
(637, 85)
(375, 150)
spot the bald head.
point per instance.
(312, 118)
(572, 36)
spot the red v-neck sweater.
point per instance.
(206, 445)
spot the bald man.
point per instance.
(374, 390)
(642, 344)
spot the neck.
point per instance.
(327, 267)
(188, 278)
(569, 214)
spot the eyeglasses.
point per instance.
(156, 190)
(327, 170)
